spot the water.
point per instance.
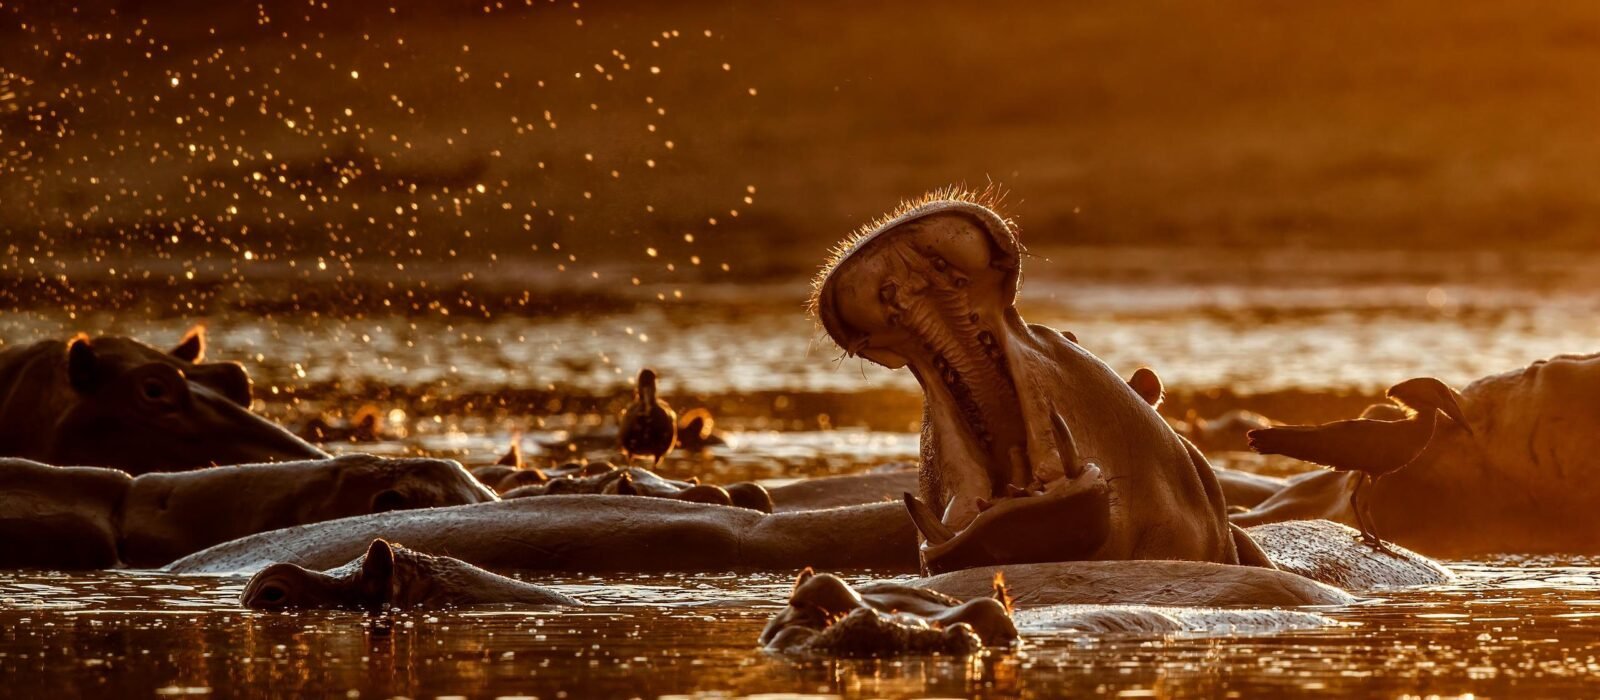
(1523, 627)
(465, 388)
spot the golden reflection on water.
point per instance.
(1524, 626)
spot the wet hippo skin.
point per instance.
(593, 533)
(91, 517)
(116, 402)
(59, 517)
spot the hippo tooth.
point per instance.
(1014, 491)
(984, 504)
(1066, 446)
(927, 521)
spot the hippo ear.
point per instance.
(377, 571)
(805, 575)
(625, 485)
(82, 367)
(193, 346)
(513, 456)
(1147, 385)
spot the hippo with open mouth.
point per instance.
(116, 402)
(1033, 449)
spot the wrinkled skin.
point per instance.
(1519, 482)
(389, 576)
(115, 402)
(596, 533)
(1015, 415)
(602, 478)
(827, 616)
(87, 517)
(593, 533)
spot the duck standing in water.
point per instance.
(648, 428)
(1367, 445)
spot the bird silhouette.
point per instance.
(1373, 447)
(696, 430)
(648, 428)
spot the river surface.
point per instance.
(790, 407)
(1507, 627)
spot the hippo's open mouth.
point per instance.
(933, 290)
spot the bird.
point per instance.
(648, 428)
(1371, 446)
(695, 430)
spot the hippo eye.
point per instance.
(270, 594)
(387, 500)
(154, 390)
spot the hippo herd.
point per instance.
(1038, 463)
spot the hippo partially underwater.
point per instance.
(115, 402)
(89, 517)
(1515, 479)
(1035, 454)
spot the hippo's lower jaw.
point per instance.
(1076, 511)
(933, 290)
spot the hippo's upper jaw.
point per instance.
(1032, 448)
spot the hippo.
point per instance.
(592, 533)
(1034, 451)
(1514, 479)
(89, 517)
(390, 576)
(603, 478)
(826, 616)
(115, 402)
(602, 533)
(1023, 429)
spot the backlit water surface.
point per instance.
(1507, 627)
(465, 388)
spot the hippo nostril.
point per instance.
(888, 293)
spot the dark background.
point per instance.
(1419, 125)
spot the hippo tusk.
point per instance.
(1066, 446)
(927, 521)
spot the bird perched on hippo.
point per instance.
(1371, 447)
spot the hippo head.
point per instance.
(362, 484)
(825, 615)
(363, 584)
(140, 409)
(1032, 448)
(389, 576)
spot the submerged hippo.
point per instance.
(1024, 431)
(85, 517)
(1517, 481)
(603, 478)
(390, 576)
(115, 402)
(825, 615)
